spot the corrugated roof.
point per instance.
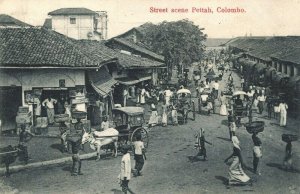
(39, 47)
(6, 20)
(137, 48)
(72, 11)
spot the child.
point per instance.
(201, 143)
(125, 169)
(139, 153)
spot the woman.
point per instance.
(223, 109)
(143, 96)
(236, 173)
(154, 116)
(164, 119)
(283, 113)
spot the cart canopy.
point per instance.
(130, 110)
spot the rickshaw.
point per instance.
(185, 104)
(239, 109)
(129, 122)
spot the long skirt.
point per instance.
(168, 100)
(164, 119)
(236, 173)
(153, 118)
(223, 110)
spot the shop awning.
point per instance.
(260, 68)
(128, 81)
(236, 56)
(143, 77)
(102, 82)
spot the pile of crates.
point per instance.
(24, 117)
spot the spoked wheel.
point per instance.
(140, 131)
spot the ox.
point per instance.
(99, 139)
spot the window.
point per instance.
(72, 20)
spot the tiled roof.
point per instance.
(137, 48)
(286, 48)
(72, 11)
(96, 49)
(6, 20)
(35, 47)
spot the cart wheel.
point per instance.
(143, 132)
(193, 110)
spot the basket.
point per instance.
(289, 137)
(79, 115)
(255, 127)
(61, 118)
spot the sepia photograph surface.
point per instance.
(149, 96)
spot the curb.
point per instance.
(46, 163)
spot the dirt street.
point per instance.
(168, 168)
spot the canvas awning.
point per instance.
(102, 82)
(128, 81)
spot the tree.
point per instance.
(180, 42)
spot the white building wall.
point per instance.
(29, 79)
(84, 25)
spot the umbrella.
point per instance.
(236, 93)
(183, 91)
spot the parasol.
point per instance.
(236, 93)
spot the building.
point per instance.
(36, 63)
(7, 21)
(215, 43)
(78, 23)
(130, 71)
(271, 61)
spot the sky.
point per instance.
(261, 17)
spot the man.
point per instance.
(104, 124)
(49, 104)
(256, 153)
(125, 96)
(139, 153)
(25, 136)
(75, 141)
